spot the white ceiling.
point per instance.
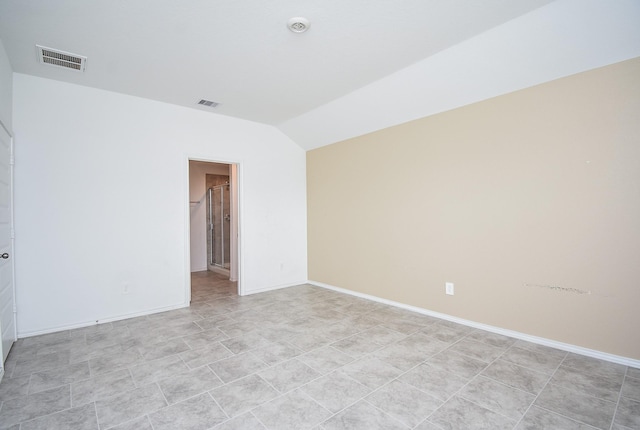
(241, 54)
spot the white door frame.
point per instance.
(11, 247)
(236, 219)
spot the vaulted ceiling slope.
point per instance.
(363, 64)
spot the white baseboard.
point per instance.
(511, 333)
(101, 321)
(138, 314)
(1, 373)
(198, 269)
(276, 287)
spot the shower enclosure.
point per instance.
(218, 228)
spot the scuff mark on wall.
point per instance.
(558, 288)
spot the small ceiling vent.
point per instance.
(55, 57)
(208, 103)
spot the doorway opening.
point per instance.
(213, 230)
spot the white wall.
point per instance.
(102, 200)
(197, 193)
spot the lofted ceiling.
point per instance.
(241, 54)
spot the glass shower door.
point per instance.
(219, 226)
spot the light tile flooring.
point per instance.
(304, 357)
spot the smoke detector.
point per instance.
(298, 24)
(57, 58)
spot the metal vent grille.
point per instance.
(59, 58)
(208, 103)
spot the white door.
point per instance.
(7, 315)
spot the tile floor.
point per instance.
(304, 357)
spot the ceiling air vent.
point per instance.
(55, 57)
(208, 103)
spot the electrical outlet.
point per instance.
(448, 288)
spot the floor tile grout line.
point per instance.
(504, 383)
(149, 421)
(129, 421)
(615, 410)
(215, 401)
(500, 358)
(474, 378)
(71, 390)
(50, 414)
(543, 388)
(363, 398)
(426, 420)
(281, 395)
(338, 412)
(257, 418)
(95, 411)
(588, 394)
(316, 402)
(516, 421)
(575, 420)
(387, 414)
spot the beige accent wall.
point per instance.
(528, 202)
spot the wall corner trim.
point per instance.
(511, 333)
